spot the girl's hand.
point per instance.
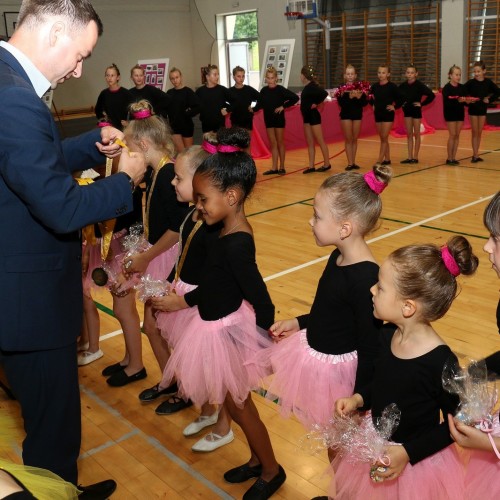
(118, 288)
(468, 437)
(344, 406)
(280, 109)
(462, 99)
(486, 100)
(417, 104)
(169, 303)
(284, 328)
(137, 263)
(397, 458)
(250, 109)
(314, 106)
(223, 111)
(390, 107)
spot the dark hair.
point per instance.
(238, 69)
(154, 128)
(308, 73)
(115, 67)
(352, 197)
(422, 275)
(385, 66)
(207, 69)
(79, 13)
(230, 170)
(479, 64)
(491, 217)
(411, 65)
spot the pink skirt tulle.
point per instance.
(438, 477)
(307, 382)
(209, 358)
(161, 266)
(96, 261)
(168, 322)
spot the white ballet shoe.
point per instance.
(204, 445)
(200, 423)
(86, 357)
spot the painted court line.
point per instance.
(381, 237)
(153, 442)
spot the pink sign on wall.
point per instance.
(156, 72)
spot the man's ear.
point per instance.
(57, 31)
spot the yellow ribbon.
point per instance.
(88, 232)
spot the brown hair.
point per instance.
(209, 68)
(352, 197)
(422, 275)
(272, 70)
(154, 128)
(308, 73)
(238, 69)
(479, 64)
(137, 66)
(491, 217)
(453, 68)
(174, 69)
(113, 66)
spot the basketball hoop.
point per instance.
(291, 17)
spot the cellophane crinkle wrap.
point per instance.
(135, 241)
(149, 287)
(353, 436)
(477, 392)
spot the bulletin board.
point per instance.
(156, 72)
(278, 53)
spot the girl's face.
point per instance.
(455, 76)
(479, 73)
(492, 248)
(387, 305)
(175, 79)
(213, 77)
(138, 77)
(183, 180)
(271, 79)
(325, 227)
(383, 74)
(112, 78)
(411, 74)
(239, 78)
(210, 201)
(350, 75)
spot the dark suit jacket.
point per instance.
(41, 211)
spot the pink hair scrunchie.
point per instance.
(140, 115)
(209, 148)
(449, 262)
(104, 124)
(224, 148)
(375, 185)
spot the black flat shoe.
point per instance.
(324, 168)
(309, 170)
(242, 473)
(178, 404)
(155, 392)
(281, 171)
(120, 378)
(413, 160)
(478, 158)
(271, 172)
(349, 167)
(262, 490)
(356, 167)
(385, 162)
(97, 491)
(112, 369)
(406, 162)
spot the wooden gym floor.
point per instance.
(147, 454)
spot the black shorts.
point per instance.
(454, 115)
(478, 108)
(351, 115)
(275, 120)
(242, 123)
(411, 111)
(312, 117)
(383, 115)
(184, 129)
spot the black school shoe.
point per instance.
(97, 491)
(271, 172)
(148, 395)
(119, 379)
(324, 168)
(112, 369)
(309, 170)
(243, 473)
(385, 162)
(262, 490)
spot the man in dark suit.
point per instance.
(41, 211)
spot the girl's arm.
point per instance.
(428, 94)
(193, 103)
(289, 98)
(470, 437)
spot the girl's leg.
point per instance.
(257, 436)
(457, 140)
(451, 140)
(187, 142)
(125, 310)
(416, 132)
(274, 146)
(356, 127)
(384, 129)
(178, 142)
(409, 136)
(318, 136)
(280, 139)
(308, 133)
(346, 126)
(477, 124)
(158, 344)
(381, 151)
(92, 323)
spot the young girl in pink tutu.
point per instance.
(163, 216)
(233, 310)
(194, 240)
(417, 285)
(482, 479)
(327, 354)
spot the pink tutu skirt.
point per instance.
(161, 266)
(209, 357)
(482, 475)
(168, 322)
(438, 477)
(96, 261)
(307, 382)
